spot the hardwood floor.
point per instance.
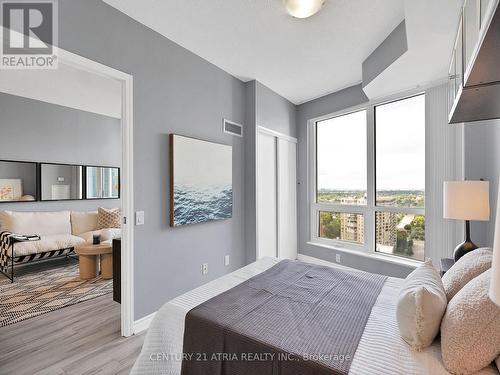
(79, 339)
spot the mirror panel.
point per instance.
(102, 182)
(61, 182)
(18, 181)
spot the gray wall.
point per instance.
(267, 109)
(44, 132)
(175, 91)
(340, 100)
(482, 160)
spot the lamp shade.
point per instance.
(466, 200)
(495, 267)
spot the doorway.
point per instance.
(124, 81)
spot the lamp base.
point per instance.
(463, 249)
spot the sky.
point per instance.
(202, 164)
(400, 148)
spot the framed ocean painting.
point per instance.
(201, 181)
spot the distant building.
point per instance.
(352, 227)
(387, 222)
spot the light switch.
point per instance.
(139, 218)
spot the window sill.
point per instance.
(379, 257)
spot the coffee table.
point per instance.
(88, 254)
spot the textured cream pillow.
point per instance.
(82, 222)
(421, 305)
(468, 267)
(470, 331)
(108, 218)
(498, 363)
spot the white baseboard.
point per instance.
(309, 259)
(143, 324)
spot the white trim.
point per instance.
(274, 133)
(143, 324)
(127, 183)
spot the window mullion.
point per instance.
(370, 168)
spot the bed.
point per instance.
(380, 350)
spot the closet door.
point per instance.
(287, 199)
(267, 237)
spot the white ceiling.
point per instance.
(302, 59)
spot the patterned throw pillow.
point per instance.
(108, 218)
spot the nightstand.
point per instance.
(446, 264)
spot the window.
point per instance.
(369, 185)
(400, 177)
(341, 159)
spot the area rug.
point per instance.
(50, 288)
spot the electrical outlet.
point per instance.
(204, 268)
(337, 258)
(139, 218)
(226, 260)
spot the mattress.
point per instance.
(381, 350)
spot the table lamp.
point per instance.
(466, 200)
(495, 266)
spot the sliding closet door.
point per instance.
(287, 199)
(267, 237)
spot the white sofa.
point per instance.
(59, 233)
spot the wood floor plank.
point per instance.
(83, 339)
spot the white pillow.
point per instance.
(421, 306)
(498, 363)
(82, 222)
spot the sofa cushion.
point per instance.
(106, 234)
(41, 223)
(109, 218)
(46, 243)
(82, 222)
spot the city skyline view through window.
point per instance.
(342, 176)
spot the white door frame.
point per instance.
(263, 130)
(126, 175)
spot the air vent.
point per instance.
(232, 128)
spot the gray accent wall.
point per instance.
(175, 91)
(43, 132)
(482, 160)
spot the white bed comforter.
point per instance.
(381, 350)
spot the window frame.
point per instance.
(370, 209)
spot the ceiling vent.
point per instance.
(232, 128)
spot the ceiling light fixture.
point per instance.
(303, 8)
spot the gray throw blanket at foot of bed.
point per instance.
(294, 318)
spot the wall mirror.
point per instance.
(61, 182)
(18, 181)
(102, 182)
